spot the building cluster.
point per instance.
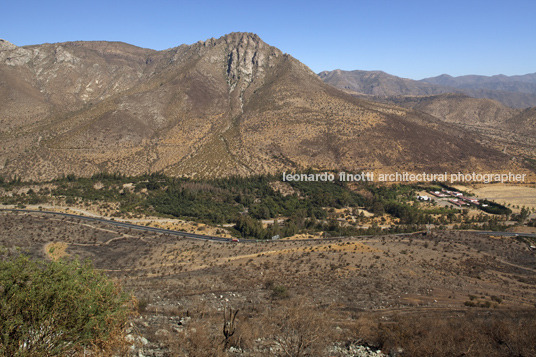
(454, 197)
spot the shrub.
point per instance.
(497, 333)
(52, 308)
(280, 292)
(297, 330)
(142, 305)
(496, 299)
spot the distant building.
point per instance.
(457, 202)
(453, 193)
(438, 194)
(472, 201)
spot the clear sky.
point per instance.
(413, 39)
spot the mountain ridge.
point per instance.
(516, 91)
(481, 114)
(228, 106)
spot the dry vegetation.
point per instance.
(445, 293)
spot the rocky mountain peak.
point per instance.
(238, 38)
(228, 106)
(246, 56)
(13, 55)
(6, 45)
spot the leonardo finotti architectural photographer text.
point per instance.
(369, 176)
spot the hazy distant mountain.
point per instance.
(517, 84)
(515, 91)
(226, 106)
(378, 83)
(512, 99)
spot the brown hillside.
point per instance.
(460, 109)
(524, 123)
(509, 130)
(234, 105)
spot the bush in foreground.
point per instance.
(52, 308)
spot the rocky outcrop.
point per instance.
(13, 55)
(6, 45)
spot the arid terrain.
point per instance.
(228, 106)
(193, 140)
(474, 289)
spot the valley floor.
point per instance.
(380, 291)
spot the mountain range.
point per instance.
(513, 91)
(228, 106)
(496, 108)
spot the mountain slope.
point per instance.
(37, 81)
(460, 109)
(226, 106)
(524, 123)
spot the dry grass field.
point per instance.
(393, 293)
(514, 195)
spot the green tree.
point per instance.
(377, 208)
(53, 308)
(250, 227)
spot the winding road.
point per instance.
(215, 238)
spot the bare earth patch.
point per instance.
(56, 250)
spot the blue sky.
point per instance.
(413, 39)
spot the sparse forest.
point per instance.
(249, 203)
